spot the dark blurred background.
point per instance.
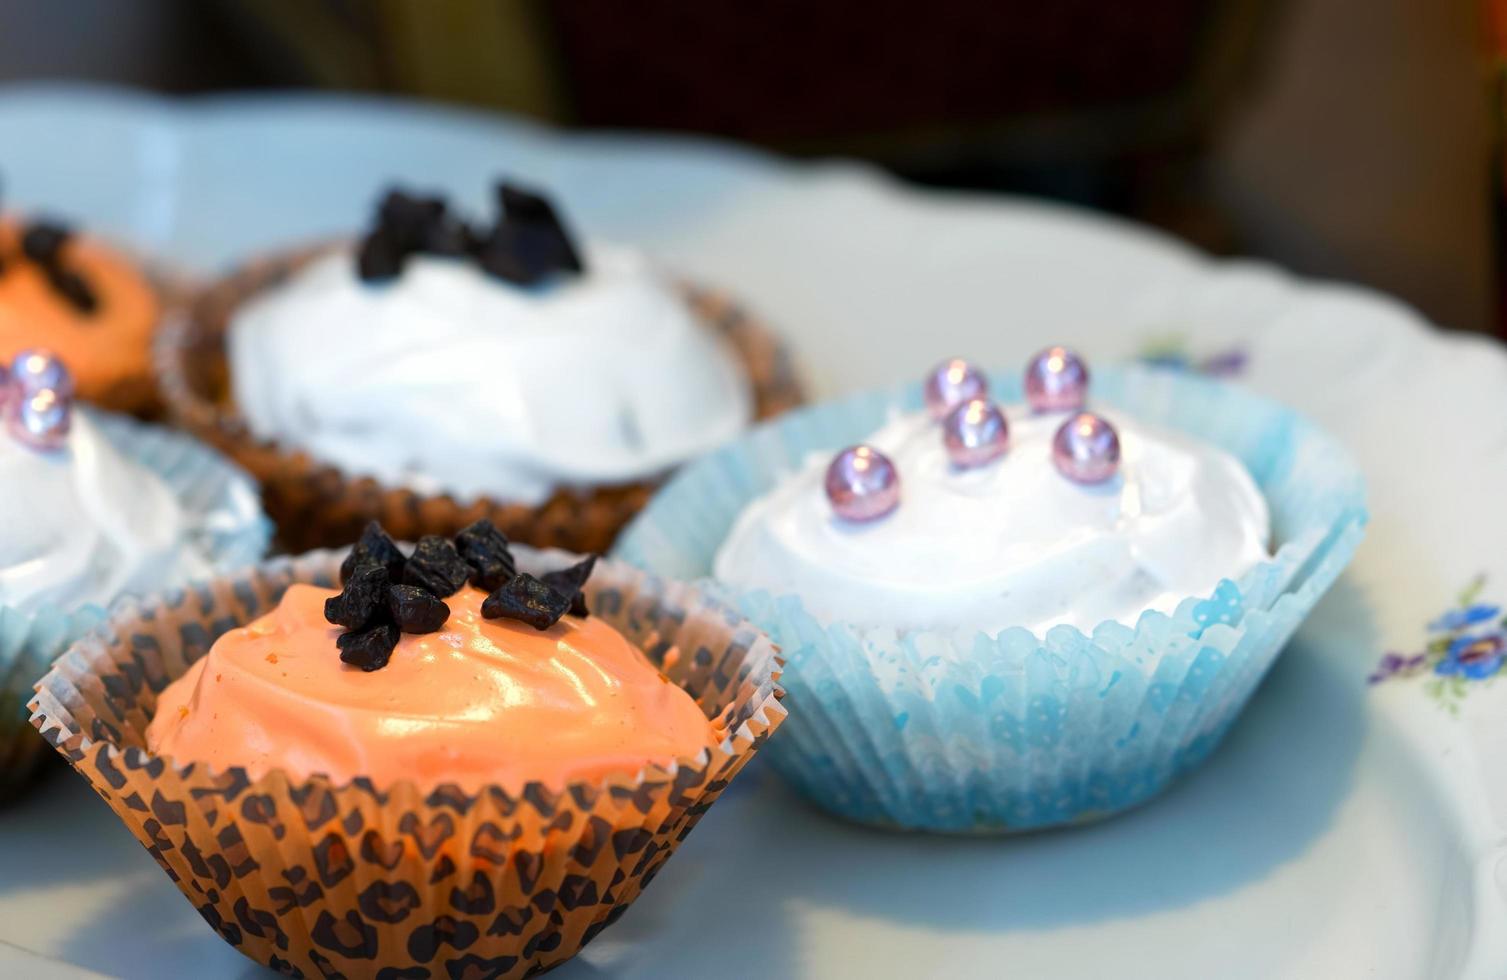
(1342, 138)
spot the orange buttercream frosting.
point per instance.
(101, 347)
(481, 701)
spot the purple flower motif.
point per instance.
(1459, 619)
(1226, 364)
(1396, 663)
(1476, 657)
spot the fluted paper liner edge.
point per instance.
(310, 877)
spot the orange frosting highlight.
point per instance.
(100, 348)
(480, 702)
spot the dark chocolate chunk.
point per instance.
(369, 649)
(529, 241)
(501, 255)
(374, 547)
(568, 582)
(43, 241)
(363, 600)
(485, 549)
(537, 216)
(407, 216)
(380, 257)
(416, 610)
(527, 600)
(435, 565)
(72, 287)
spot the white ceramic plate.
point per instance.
(1346, 829)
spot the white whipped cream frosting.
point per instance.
(1013, 543)
(86, 524)
(450, 380)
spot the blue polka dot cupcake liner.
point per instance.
(226, 523)
(960, 731)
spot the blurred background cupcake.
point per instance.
(98, 506)
(88, 302)
(437, 371)
(1000, 619)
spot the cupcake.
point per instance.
(99, 506)
(462, 760)
(998, 617)
(85, 301)
(437, 372)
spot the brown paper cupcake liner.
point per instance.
(317, 505)
(317, 879)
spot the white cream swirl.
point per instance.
(449, 380)
(1013, 543)
(86, 524)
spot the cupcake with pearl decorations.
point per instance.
(443, 367)
(86, 300)
(1012, 600)
(98, 506)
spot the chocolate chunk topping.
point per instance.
(72, 287)
(535, 215)
(42, 242)
(369, 649)
(375, 547)
(568, 582)
(485, 549)
(379, 258)
(409, 215)
(416, 610)
(527, 600)
(526, 244)
(435, 565)
(363, 601)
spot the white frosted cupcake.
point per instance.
(1005, 618)
(439, 372)
(98, 507)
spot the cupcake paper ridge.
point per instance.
(963, 731)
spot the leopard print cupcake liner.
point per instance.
(317, 505)
(317, 879)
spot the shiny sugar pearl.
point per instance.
(862, 484)
(37, 369)
(1086, 449)
(39, 419)
(975, 433)
(1056, 381)
(950, 384)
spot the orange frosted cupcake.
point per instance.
(431, 685)
(84, 301)
(454, 762)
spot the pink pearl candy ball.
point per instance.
(950, 384)
(1086, 449)
(1056, 381)
(975, 433)
(37, 369)
(39, 419)
(862, 484)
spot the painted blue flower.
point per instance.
(1475, 657)
(1459, 619)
